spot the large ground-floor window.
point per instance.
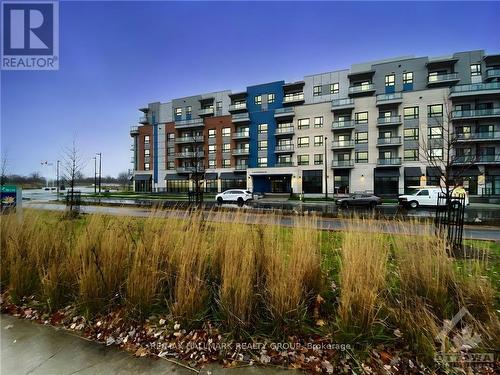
(210, 186)
(411, 181)
(143, 186)
(492, 185)
(312, 182)
(240, 183)
(341, 182)
(386, 182)
(177, 186)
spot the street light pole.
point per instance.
(95, 174)
(326, 171)
(57, 178)
(100, 170)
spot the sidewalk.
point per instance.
(31, 348)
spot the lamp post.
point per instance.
(326, 171)
(95, 174)
(57, 178)
(100, 170)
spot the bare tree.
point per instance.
(451, 166)
(123, 179)
(72, 167)
(3, 169)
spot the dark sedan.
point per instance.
(359, 200)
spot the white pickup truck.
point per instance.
(426, 196)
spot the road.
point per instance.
(246, 215)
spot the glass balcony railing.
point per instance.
(143, 120)
(281, 164)
(471, 159)
(284, 148)
(473, 113)
(437, 78)
(189, 139)
(189, 123)
(241, 151)
(473, 87)
(342, 163)
(357, 89)
(344, 124)
(346, 102)
(389, 120)
(389, 161)
(343, 144)
(287, 111)
(134, 130)
(240, 117)
(295, 97)
(478, 136)
(238, 107)
(206, 111)
(241, 135)
(493, 73)
(241, 167)
(285, 130)
(397, 96)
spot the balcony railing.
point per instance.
(193, 139)
(241, 135)
(295, 97)
(143, 120)
(237, 117)
(475, 113)
(288, 111)
(342, 103)
(238, 107)
(396, 97)
(284, 164)
(438, 78)
(190, 154)
(493, 73)
(284, 148)
(361, 89)
(241, 151)
(389, 161)
(342, 163)
(345, 124)
(343, 144)
(475, 87)
(241, 167)
(285, 130)
(478, 136)
(206, 111)
(392, 120)
(134, 130)
(389, 141)
(470, 159)
(194, 123)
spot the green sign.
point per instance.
(8, 197)
(8, 189)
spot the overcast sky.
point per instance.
(118, 56)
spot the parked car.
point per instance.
(358, 200)
(234, 195)
(427, 197)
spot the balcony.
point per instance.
(337, 164)
(366, 89)
(143, 120)
(338, 104)
(295, 98)
(337, 145)
(184, 124)
(193, 139)
(241, 167)
(389, 141)
(284, 164)
(283, 149)
(238, 107)
(241, 151)
(284, 112)
(492, 74)
(343, 125)
(206, 111)
(284, 131)
(240, 118)
(442, 78)
(134, 130)
(395, 98)
(389, 162)
(147, 145)
(189, 154)
(483, 136)
(241, 135)
(392, 120)
(479, 159)
(475, 89)
(475, 114)
(184, 170)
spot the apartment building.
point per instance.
(372, 127)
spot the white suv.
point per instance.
(234, 195)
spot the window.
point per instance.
(171, 136)
(226, 132)
(410, 112)
(318, 159)
(407, 78)
(226, 147)
(423, 193)
(189, 110)
(303, 123)
(226, 163)
(435, 133)
(316, 90)
(258, 99)
(211, 164)
(318, 122)
(411, 134)
(146, 152)
(146, 139)
(361, 117)
(390, 79)
(170, 150)
(212, 149)
(262, 162)
(218, 106)
(436, 153)
(411, 155)
(362, 157)
(318, 140)
(361, 137)
(262, 128)
(303, 159)
(146, 166)
(303, 142)
(170, 165)
(178, 112)
(211, 133)
(475, 70)
(262, 145)
(334, 88)
(271, 98)
(435, 110)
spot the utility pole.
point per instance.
(57, 178)
(95, 174)
(100, 170)
(326, 171)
